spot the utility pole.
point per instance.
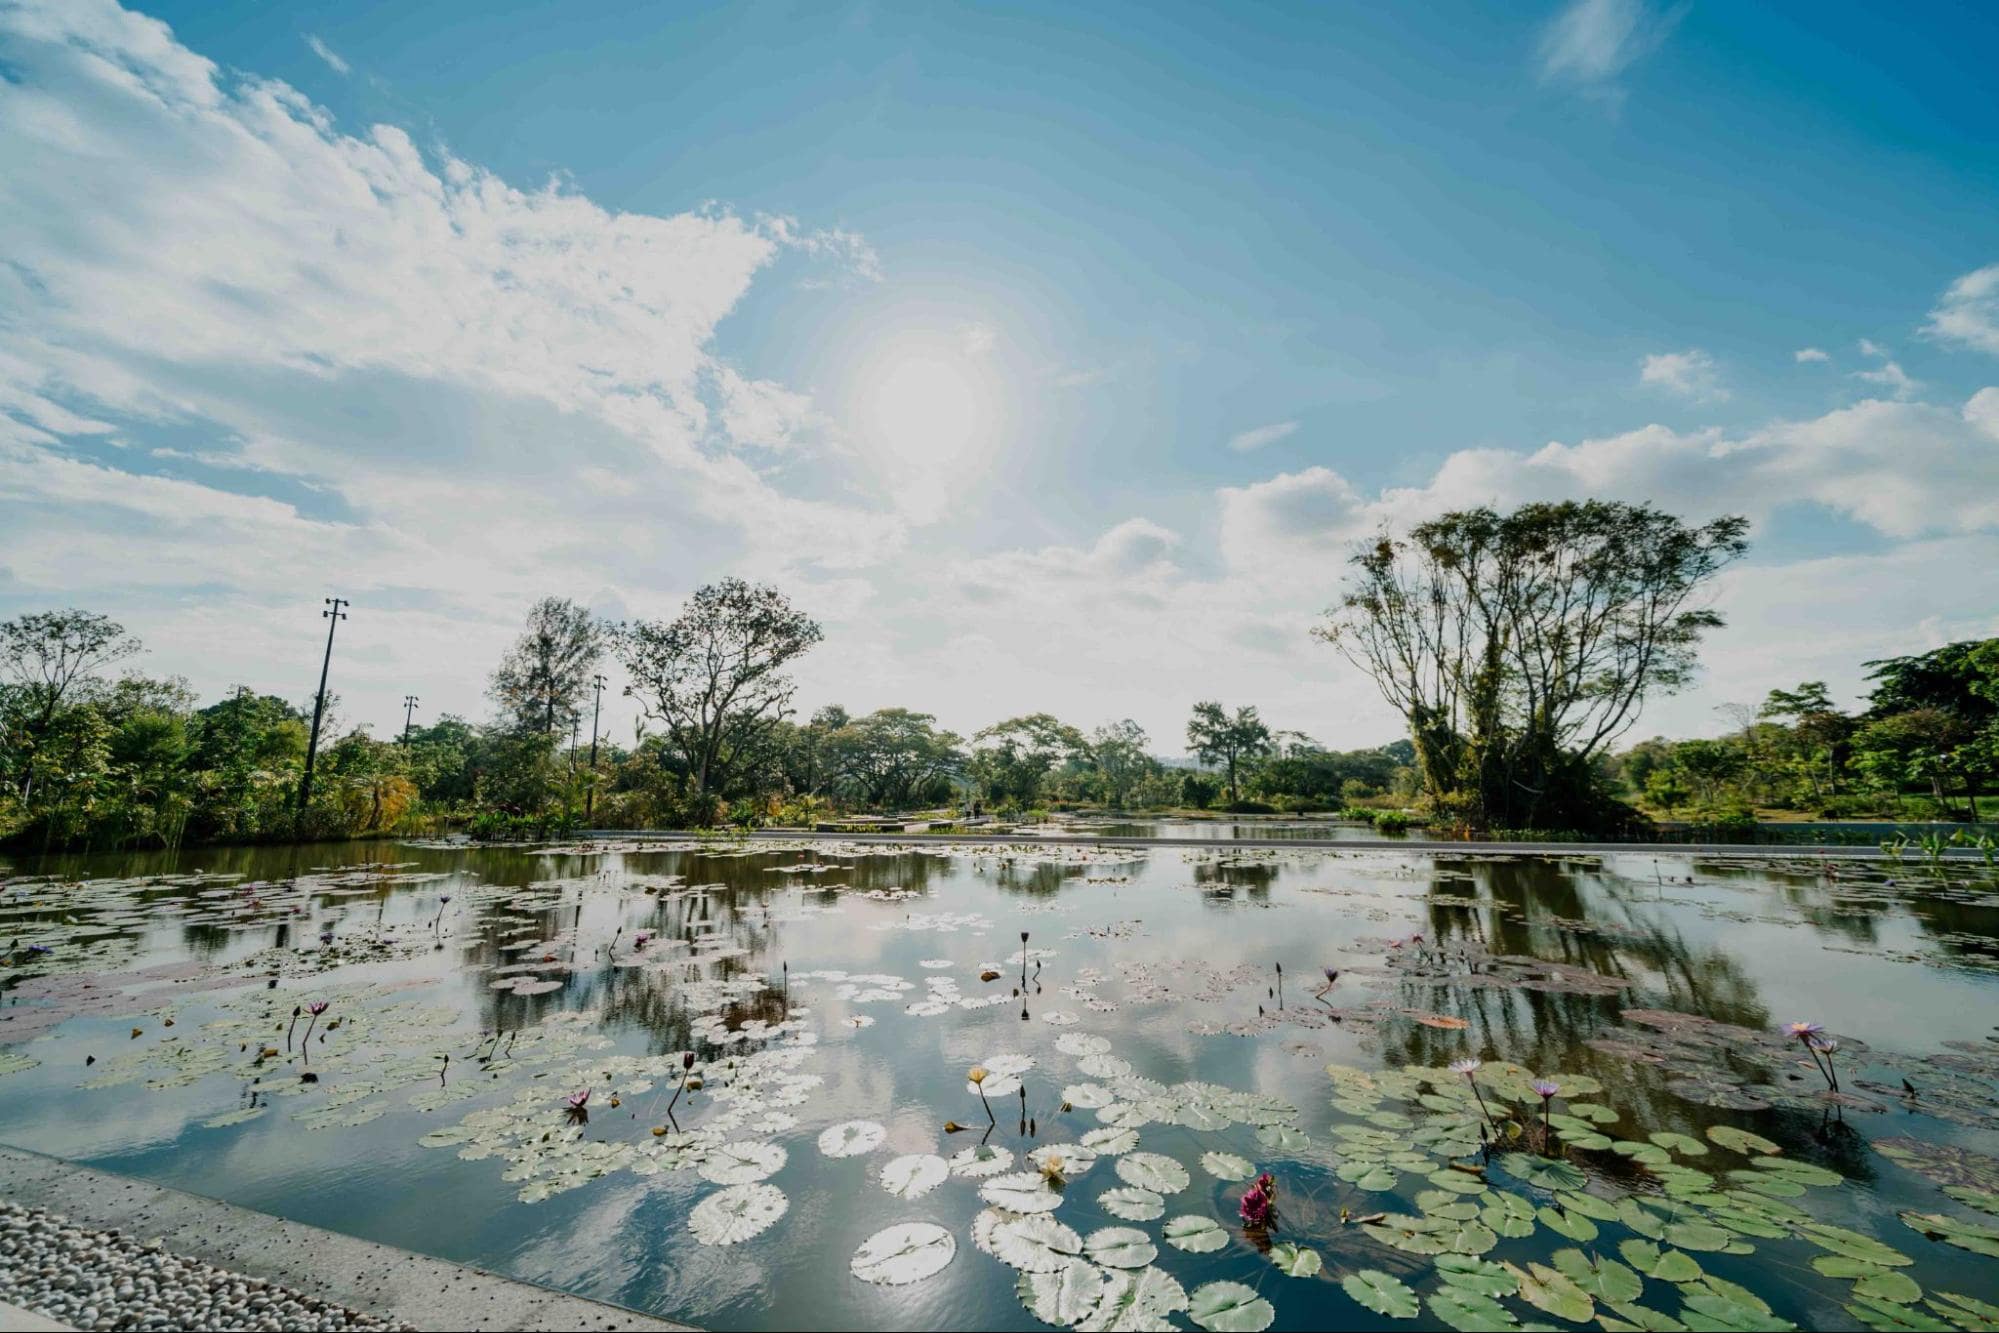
(410, 702)
(596, 707)
(333, 616)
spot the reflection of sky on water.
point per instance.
(1744, 945)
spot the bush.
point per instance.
(1392, 821)
(1250, 808)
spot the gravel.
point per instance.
(106, 1280)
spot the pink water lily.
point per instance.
(1259, 1202)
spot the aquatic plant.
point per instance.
(1545, 1089)
(578, 1104)
(1259, 1203)
(1469, 1066)
(296, 1011)
(315, 1009)
(978, 1077)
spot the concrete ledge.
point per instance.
(1914, 859)
(378, 1279)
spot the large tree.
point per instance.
(1011, 758)
(894, 757)
(1230, 739)
(541, 682)
(52, 659)
(1519, 646)
(1117, 750)
(715, 676)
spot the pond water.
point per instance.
(1691, 1167)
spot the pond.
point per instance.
(777, 1045)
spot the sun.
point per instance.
(927, 409)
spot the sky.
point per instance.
(1054, 357)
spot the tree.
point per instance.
(715, 678)
(541, 681)
(894, 757)
(1218, 738)
(1820, 728)
(51, 653)
(1933, 721)
(1518, 647)
(1011, 758)
(1117, 750)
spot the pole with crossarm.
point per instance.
(410, 702)
(333, 616)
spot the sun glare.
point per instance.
(928, 409)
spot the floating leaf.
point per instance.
(1153, 1171)
(1021, 1192)
(981, 1160)
(1226, 1166)
(1293, 1261)
(852, 1138)
(914, 1176)
(1033, 1243)
(1665, 1264)
(741, 1163)
(1476, 1275)
(737, 1213)
(1195, 1234)
(1120, 1247)
(1550, 1173)
(1546, 1289)
(1964, 1235)
(908, 1252)
(1469, 1311)
(1230, 1307)
(1604, 1279)
(1138, 1299)
(1132, 1204)
(1063, 1296)
(1381, 1293)
(1741, 1140)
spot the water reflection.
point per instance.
(1531, 961)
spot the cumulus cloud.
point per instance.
(1691, 374)
(1249, 440)
(345, 356)
(1889, 375)
(1805, 354)
(1967, 314)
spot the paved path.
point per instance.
(379, 1279)
(1412, 846)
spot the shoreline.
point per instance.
(385, 1282)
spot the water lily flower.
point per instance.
(1822, 1049)
(978, 1078)
(579, 1107)
(1545, 1089)
(1804, 1031)
(316, 1008)
(1259, 1201)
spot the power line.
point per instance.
(333, 616)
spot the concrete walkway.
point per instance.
(1913, 858)
(362, 1275)
(16, 1320)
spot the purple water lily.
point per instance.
(1545, 1089)
(1259, 1203)
(1468, 1067)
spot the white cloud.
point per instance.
(1889, 374)
(1249, 440)
(1804, 354)
(480, 391)
(1967, 314)
(328, 54)
(1591, 42)
(1691, 374)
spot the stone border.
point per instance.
(345, 1270)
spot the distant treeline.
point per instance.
(1519, 649)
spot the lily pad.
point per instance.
(733, 1215)
(1195, 1234)
(1231, 1307)
(915, 1175)
(1381, 1293)
(907, 1252)
(1295, 1261)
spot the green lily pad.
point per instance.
(1381, 1293)
(1295, 1261)
(1605, 1280)
(1230, 1307)
(1548, 1173)
(1195, 1234)
(1741, 1140)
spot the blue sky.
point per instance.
(1029, 345)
